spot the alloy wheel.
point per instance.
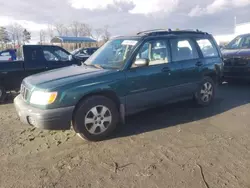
(206, 92)
(98, 119)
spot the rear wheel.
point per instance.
(205, 92)
(95, 118)
(2, 94)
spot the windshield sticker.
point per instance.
(129, 42)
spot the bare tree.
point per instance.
(60, 29)
(98, 34)
(86, 30)
(66, 31)
(79, 29)
(16, 33)
(42, 36)
(50, 31)
(75, 28)
(106, 34)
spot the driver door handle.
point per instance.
(198, 64)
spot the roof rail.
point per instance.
(151, 31)
(168, 31)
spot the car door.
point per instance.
(33, 60)
(185, 53)
(211, 57)
(151, 85)
(33, 63)
(57, 57)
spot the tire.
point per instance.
(205, 92)
(2, 94)
(100, 125)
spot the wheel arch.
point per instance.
(110, 94)
(213, 76)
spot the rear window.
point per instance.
(207, 48)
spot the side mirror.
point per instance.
(70, 57)
(141, 62)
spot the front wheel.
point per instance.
(95, 118)
(205, 92)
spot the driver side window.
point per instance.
(155, 51)
(49, 56)
(55, 54)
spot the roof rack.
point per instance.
(168, 31)
(150, 31)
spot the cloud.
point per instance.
(29, 25)
(133, 6)
(218, 6)
(128, 16)
(97, 4)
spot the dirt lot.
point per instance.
(175, 146)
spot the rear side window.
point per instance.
(183, 49)
(207, 48)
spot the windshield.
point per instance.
(239, 43)
(112, 54)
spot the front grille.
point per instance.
(236, 62)
(24, 92)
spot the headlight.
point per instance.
(43, 98)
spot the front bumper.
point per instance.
(51, 119)
(236, 72)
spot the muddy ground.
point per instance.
(177, 146)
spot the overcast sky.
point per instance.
(128, 16)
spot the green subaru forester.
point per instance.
(126, 75)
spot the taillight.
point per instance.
(10, 59)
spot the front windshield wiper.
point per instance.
(93, 65)
(98, 66)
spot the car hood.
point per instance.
(236, 52)
(63, 76)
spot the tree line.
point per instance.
(14, 34)
(75, 29)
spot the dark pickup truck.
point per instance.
(36, 58)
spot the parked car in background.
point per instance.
(8, 55)
(36, 59)
(83, 53)
(237, 59)
(126, 75)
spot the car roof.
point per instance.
(164, 32)
(244, 35)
